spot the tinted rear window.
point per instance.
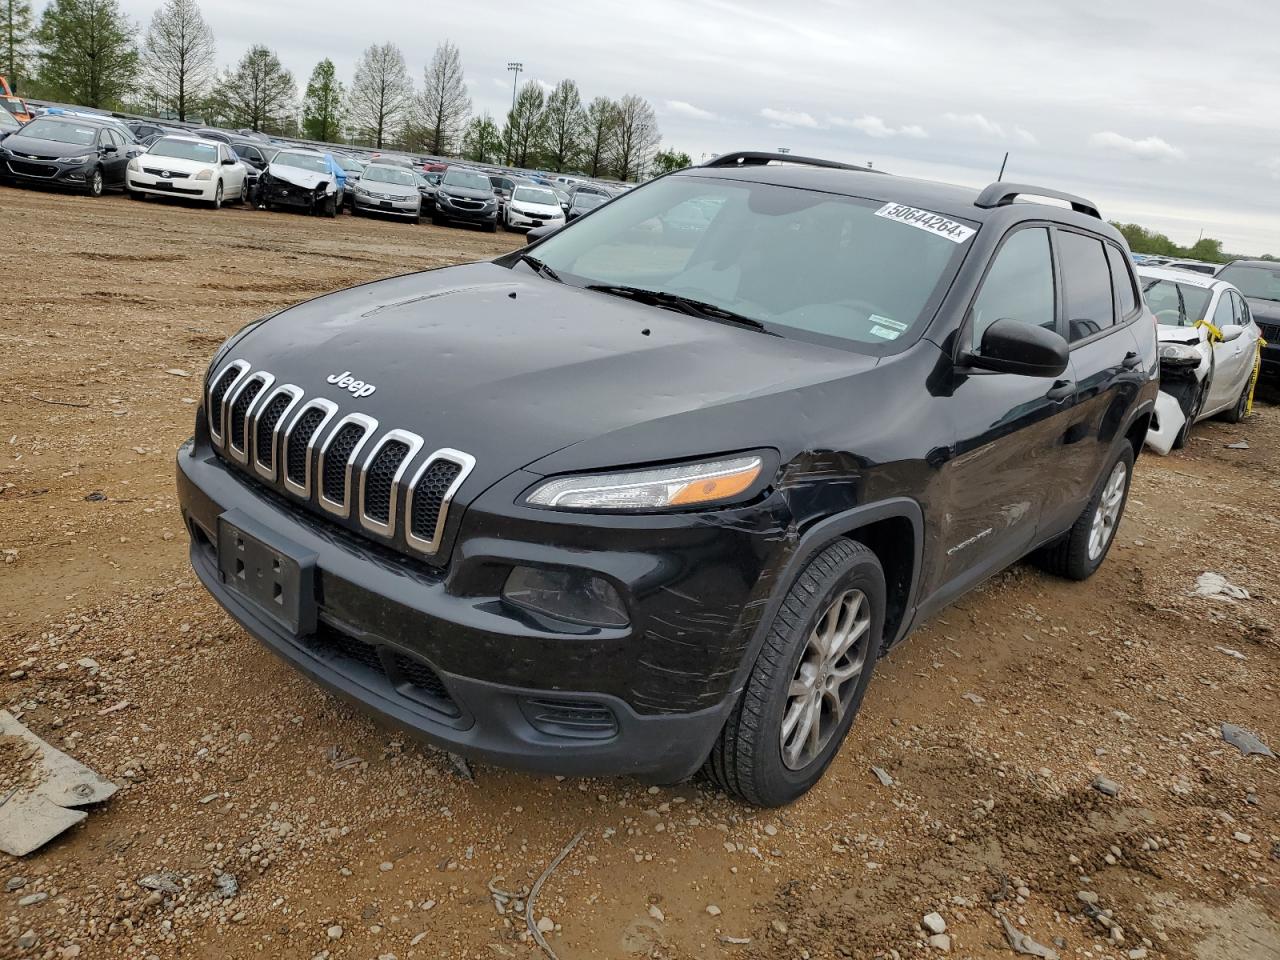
(1086, 284)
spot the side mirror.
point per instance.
(110, 148)
(1231, 331)
(228, 162)
(1012, 346)
(537, 233)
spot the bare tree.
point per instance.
(601, 130)
(524, 125)
(444, 104)
(637, 135)
(563, 121)
(381, 94)
(178, 56)
(258, 93)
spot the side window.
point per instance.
(1242, 310)
(1223, 315)
(1086, 283)
(1019, 285)
(1122, 278)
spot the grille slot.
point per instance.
(218, 393)
(264, 431)
(298, 444)
(379, 480)
(430, 493)
(240, 410)
(332, 642)
(336, 458)
(414, 678)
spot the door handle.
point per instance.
(1061, 390)
(1131, 360)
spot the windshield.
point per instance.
(185, 150)
(467, 179)
(7, 122)
(535, 195)
(349, 165)
(61, 131)
(1260, 283)
(302, 161)
(1176, 304)
(794, 260)
(378, 174)
(588, 201)
(12, 106)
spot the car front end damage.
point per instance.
(1186, 363)
(280, 186)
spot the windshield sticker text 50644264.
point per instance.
(924, 220)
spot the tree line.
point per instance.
(87, 52)
(1208, 249)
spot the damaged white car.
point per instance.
(1208, 352)
(300, 178)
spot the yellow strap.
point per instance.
(1215, 335)
(1253, 380)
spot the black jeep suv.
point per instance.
(657, 490)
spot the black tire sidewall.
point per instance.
(774, 782)
(1086, 567)
(97, 184)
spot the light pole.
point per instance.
(515, 67)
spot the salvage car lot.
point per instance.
(991, 724)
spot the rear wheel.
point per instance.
(808, 681)
(1081, 551)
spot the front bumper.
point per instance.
(447, 211)
(46, 171)
(663, 686)
(1271, 358)
(401, 207)
(141, 182)
(524, 221)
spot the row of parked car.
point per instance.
(95, 152)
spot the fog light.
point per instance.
(566, 595)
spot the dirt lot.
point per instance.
(348, 840)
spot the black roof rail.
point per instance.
(1000, 194)
(756, 158)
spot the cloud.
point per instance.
(1272, 166)
(790, 118)
(1148, 148)
(875, 127)
(992, 130)
(683, 108)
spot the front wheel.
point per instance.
(244, 191)
(216, 203)
(1241, 409)
(1081, 551)
(808, 680)
(95, 184)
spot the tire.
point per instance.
(95, 185)
(136, 195)
(244, 192)
(1241, 409)
(1076, 556)
(331, 207)
(756, 758)
(437, 220)
(216, 203)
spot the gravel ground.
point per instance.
(258, 816)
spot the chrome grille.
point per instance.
(288, 440)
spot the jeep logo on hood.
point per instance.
(357, 388)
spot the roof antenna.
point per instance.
(1002, 163)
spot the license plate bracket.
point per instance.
(273, 575)
(385, 204)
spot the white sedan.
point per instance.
(532, 206)
(1208, 352)
(189, 167)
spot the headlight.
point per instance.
(204, 175)
(133, 164)
(1179, 351)
(687, 485)
(81, 159)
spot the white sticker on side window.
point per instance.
(924, 220)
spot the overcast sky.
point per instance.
(1165, 113)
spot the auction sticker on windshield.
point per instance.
(925, 220)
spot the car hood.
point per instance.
(1264, 311)
(511, 368)
(1173, 333)
(546, 209)
(17, 143)
(390, 189)
(306, 179)
(177, 163)
(466, 193)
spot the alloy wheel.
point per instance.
(825, 679)
(95, 185)
(1107, 516)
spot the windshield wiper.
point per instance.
(540, 268)
(688, 305)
